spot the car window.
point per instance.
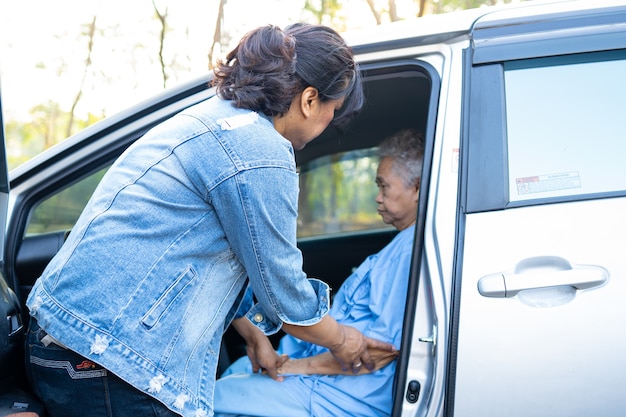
(566, 125)
(61, 211)
(337, 194)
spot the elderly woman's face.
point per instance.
(397, 203)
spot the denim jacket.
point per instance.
(157, 264)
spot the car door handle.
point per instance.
(508, 285)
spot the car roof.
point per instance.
(534, 11)
(446, 27)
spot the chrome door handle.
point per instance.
(508, 285)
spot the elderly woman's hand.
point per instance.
(325, 364)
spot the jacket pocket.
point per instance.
(174, 291)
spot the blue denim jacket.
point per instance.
(157, 264)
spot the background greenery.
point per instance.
(69, 63)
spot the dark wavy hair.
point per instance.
(269, 67)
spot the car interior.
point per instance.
(338, 220)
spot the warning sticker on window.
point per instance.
(550, 182)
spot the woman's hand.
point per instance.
(259, 349)
(264, 358)
(353, 352)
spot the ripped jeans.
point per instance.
(71, 386)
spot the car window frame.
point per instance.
(484, 149)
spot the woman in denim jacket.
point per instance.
(127, 319)
(371, 299)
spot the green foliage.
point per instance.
(337, 194)
(321, 8)
(47, 126)
(447, 6)
(324, 11)
(61, 211)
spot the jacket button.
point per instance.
(258, 317)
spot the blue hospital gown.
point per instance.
(372, 300)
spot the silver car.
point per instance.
(518, 280)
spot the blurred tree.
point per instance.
(162, 17)
(447, 6)
(375, 12)
(422, 8)
(22, 142)
(337, 193)
(52, 122)
(46, 124)
(90, 32)
(428, 6)
(324, 11)
(217, 34)
(45, 129)
(391, 10)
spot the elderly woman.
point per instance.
(372, 300)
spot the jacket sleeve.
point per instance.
(258, 211)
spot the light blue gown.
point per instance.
(372, 300)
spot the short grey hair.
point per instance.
(406, 149)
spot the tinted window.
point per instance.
(566, 125)
(60, 211)
(337, 194)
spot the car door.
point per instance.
(541, 276)
(9, 307)
(47, 195)
(13, 397)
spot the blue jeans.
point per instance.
(71, 386)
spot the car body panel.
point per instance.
(543, 351)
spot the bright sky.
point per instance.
(42, 54)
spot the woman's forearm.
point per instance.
(327, 332)
(250, 333)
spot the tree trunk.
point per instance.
(422, 9)
(91, 30)
(374, 12)
(163, 19)
(217, 35)
(393, 11)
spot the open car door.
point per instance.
(13, 400)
